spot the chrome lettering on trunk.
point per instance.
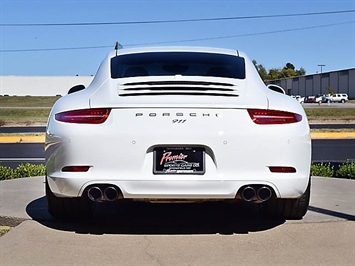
(177, 114)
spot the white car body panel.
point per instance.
(119, 151)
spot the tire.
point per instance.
(67, 208)
(342, 101)
(293, 209)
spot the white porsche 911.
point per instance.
(177, 124)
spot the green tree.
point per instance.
(330, 90)
(289, 66)
(261, 70)
(287, 71)
(301, 72)
(274, 73)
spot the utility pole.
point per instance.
(321, 71)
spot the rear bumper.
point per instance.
(120, 153)
(283, 187)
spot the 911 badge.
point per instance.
(179, 160)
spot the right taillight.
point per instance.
(272, 117)
(75, 168)
(282, 169)
(84, 116)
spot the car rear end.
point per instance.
(178, 137)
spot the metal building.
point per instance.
(342, 81)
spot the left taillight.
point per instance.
(272, 117)
(282, 169)
(84, 116)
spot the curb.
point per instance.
(22, 139)
(41, 138)
(333, 135)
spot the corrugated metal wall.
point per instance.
(340, 81)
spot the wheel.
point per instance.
(342, 101)
(67, 208)
(288, 208)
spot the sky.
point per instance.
(272, 32)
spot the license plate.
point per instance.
(179, 160)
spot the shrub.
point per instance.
(27, 170)
(6, 173)
(346, 170)
(322, 169)
(23, 170)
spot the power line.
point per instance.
(242, 35)
(178, 41)
(172, 21)
(54, 49)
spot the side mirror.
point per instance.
(76, 88)
(276, 88)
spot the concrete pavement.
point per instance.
(179, 234)
(331, 200)
(33, 243)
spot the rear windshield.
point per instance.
(177, 63)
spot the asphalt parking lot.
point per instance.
(179, 234)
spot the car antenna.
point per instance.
(118, 46)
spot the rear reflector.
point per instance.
(271, 117)
(84, 116)
(75, 168)
(282, 169)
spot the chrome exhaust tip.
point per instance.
(248, 193)
(111, 193)
(95, 194)
(264, 193)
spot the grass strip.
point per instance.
(27, 101)
(29, 110)
(23, 116)
(4, 230)
(330, 114)
(7, 223)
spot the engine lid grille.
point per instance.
(191, 88)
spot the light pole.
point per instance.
(321, 71)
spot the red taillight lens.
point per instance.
(85, 116)
(271, 117)
(282, 169)
(75, 168)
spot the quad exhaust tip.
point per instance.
(248, 193)
(264, 193)
(257, 193)
(95, 194)
(108, 193)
